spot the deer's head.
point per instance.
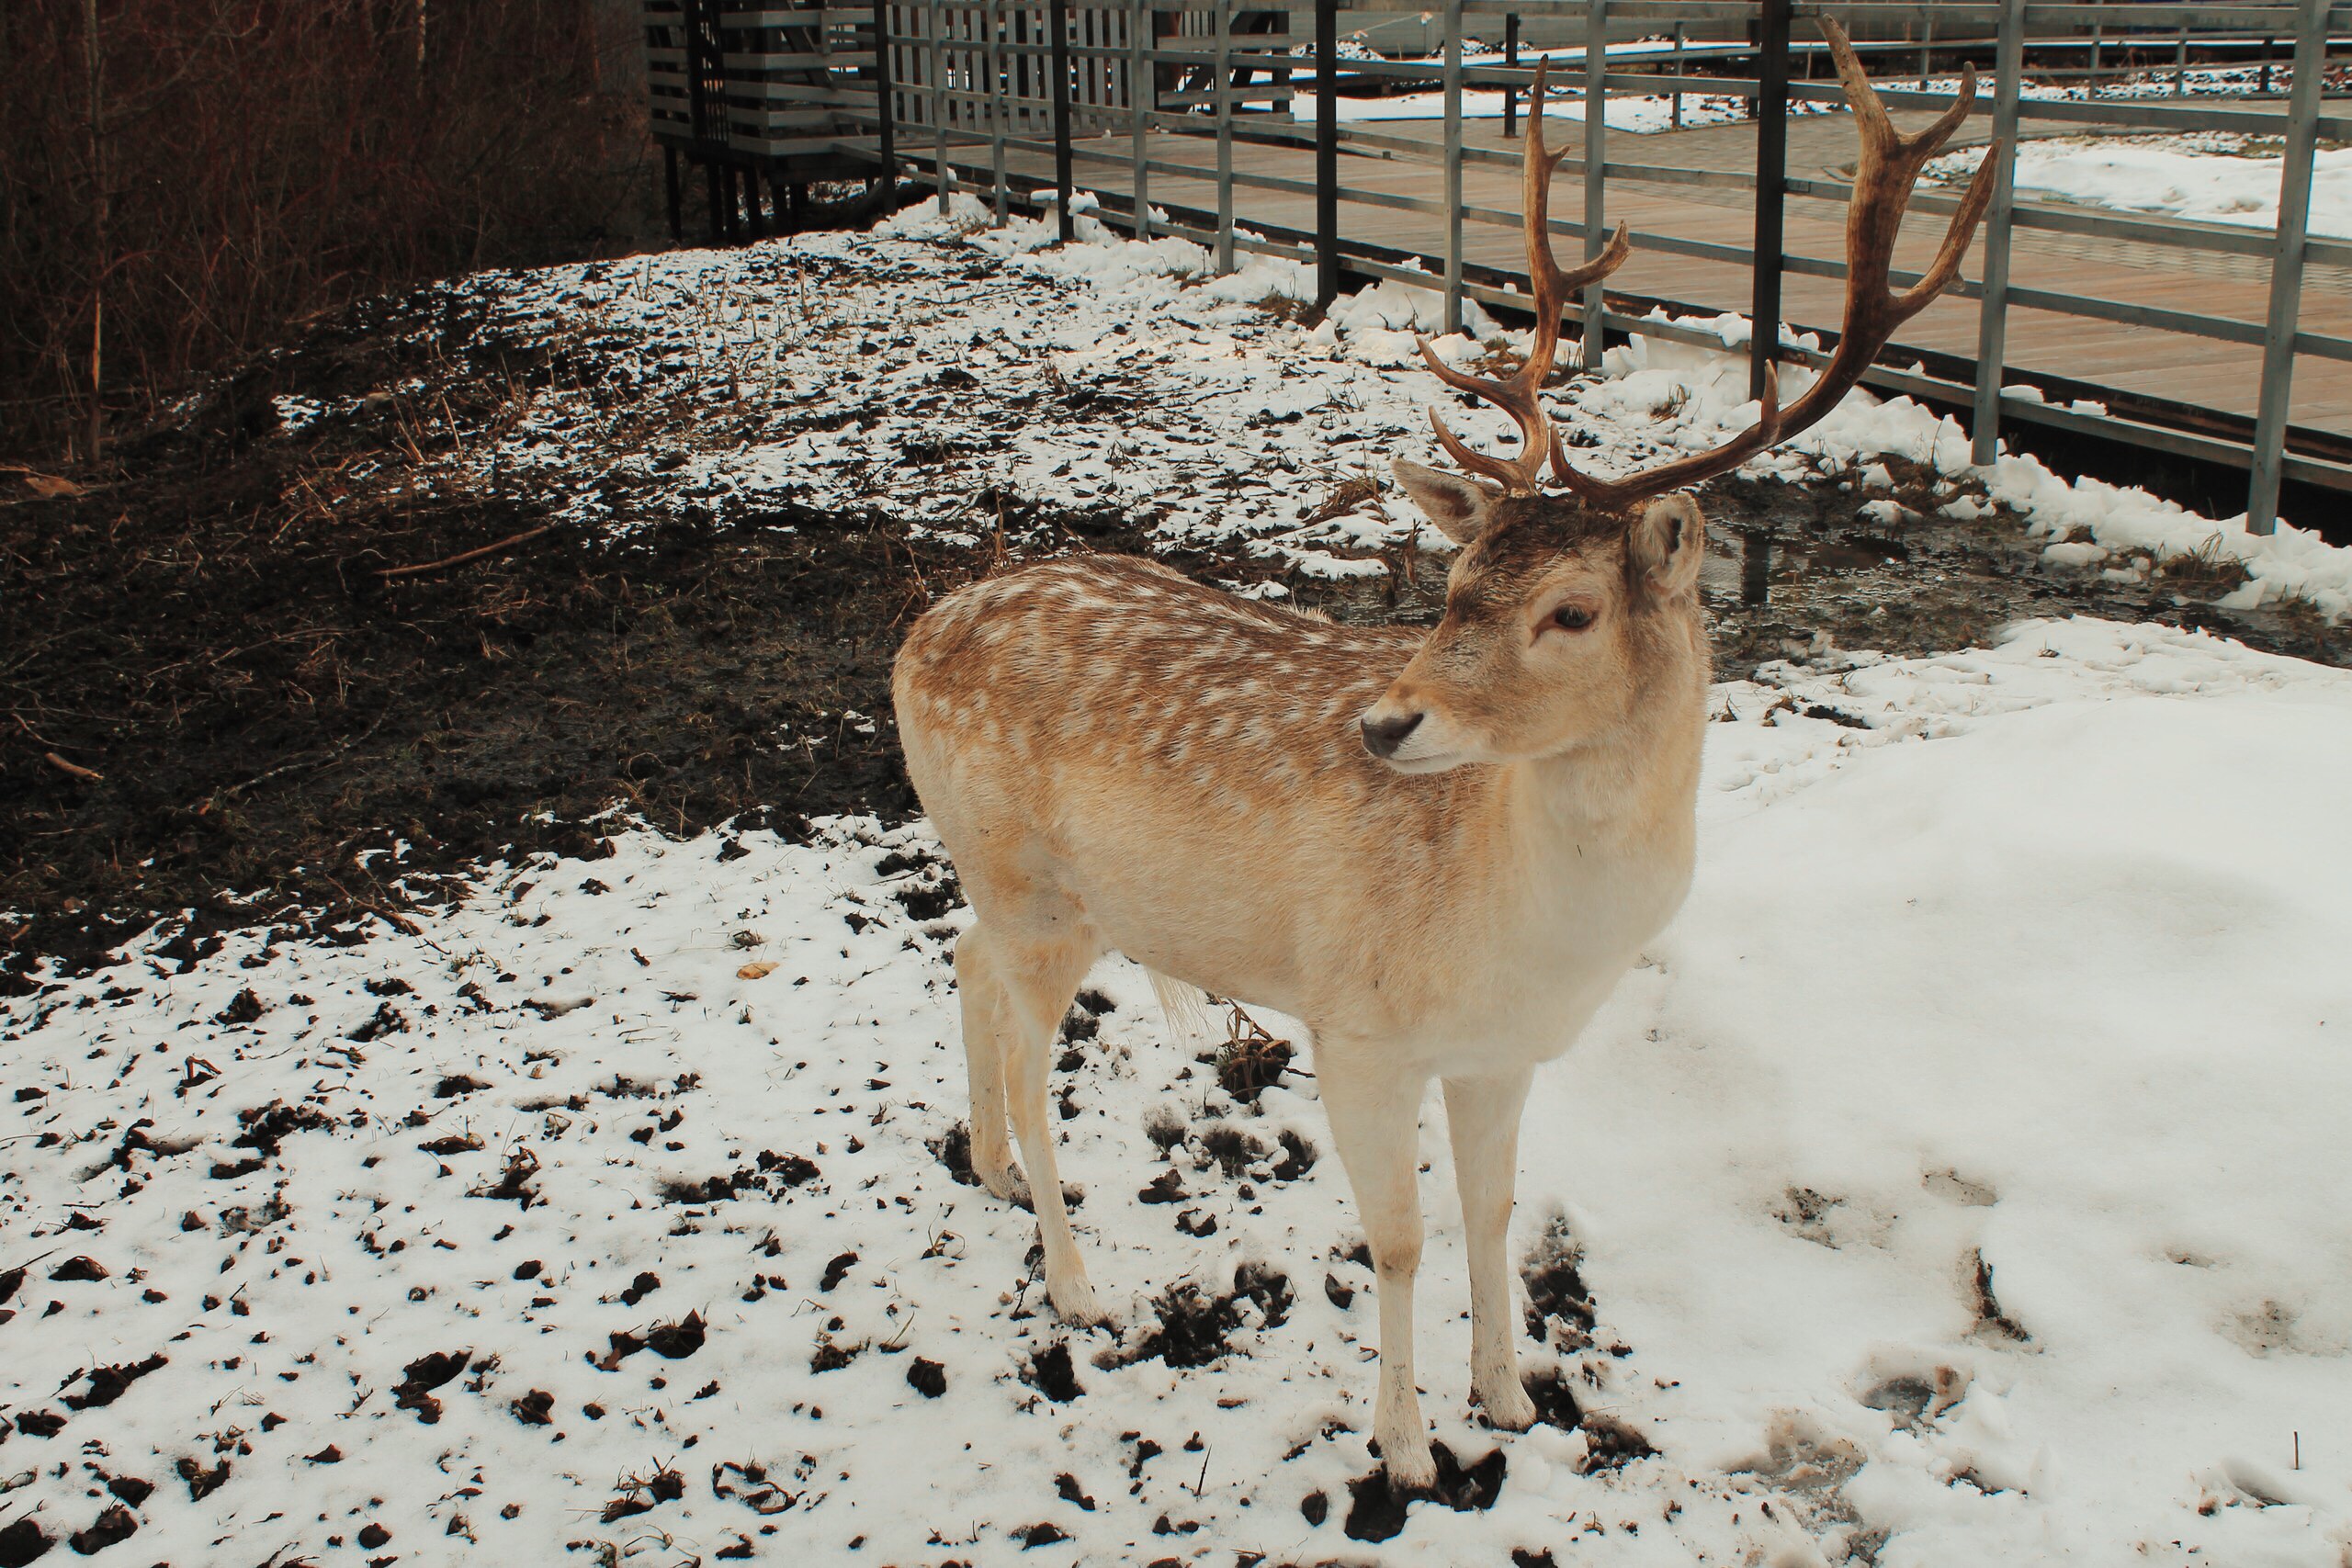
(1563, 602)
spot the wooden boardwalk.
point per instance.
(2174, 366)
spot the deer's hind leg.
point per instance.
(986, 1027)
(1015, 992)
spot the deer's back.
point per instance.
(1103, 734)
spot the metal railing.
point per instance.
(1184, 67)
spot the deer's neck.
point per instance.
(1626, 795)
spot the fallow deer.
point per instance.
(1438, 851)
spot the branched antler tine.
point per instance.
(1870, 115)
(1612, 494)
(1510, 474)
(1889, 165)
(1612, 256)
(1516, 398)
(1956, 239)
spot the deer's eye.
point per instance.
(1572, 618)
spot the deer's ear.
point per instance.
(1664, 546)
(1460, 507)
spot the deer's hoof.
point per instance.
(1508, 1406)
(1074, 1302)
(1408, 1463)
(1006, 1183)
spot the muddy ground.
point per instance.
(224, 681)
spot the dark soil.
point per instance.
(211, 634)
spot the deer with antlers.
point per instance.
(1438, 851)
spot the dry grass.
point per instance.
(2208, 570)
(1344, 498)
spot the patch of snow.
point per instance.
(938, 366)
(1959, 1180)
(2211, 178)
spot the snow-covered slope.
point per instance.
(1959, 1181)
(944, 371)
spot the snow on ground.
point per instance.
(2212, 177)
(1959, 1180)
(942, 369)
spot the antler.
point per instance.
(1889, 165)
(1519, 397)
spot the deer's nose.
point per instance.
(1383, 736)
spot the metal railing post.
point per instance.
(2098, 42)
(1057, 19)
(1453, 166)
(1326, 153)
(1225, 135)
(2297, 156)
(1510, 58)
(1596, 158)
(1143, 98)
(1771, 189)
(935, 23)
(885, 101)
(994, 22)
(2180, 65)
(1679, 70)
(1992, 316)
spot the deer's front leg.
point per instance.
(1375, 1121)
(1482, 1117)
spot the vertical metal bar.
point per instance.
(934, 24)
(1992, 316)
(2180, 65)
(1510, 58)
(2269, 46)
(1679, 68)
(1927, 50)
(1225, 135)
(2297, 155)
(1452, 78)
(1143, 98)
(1057, 19)
(755, 215)
(885, 102)
(2098, 39)
(993, 20)
(1326, 153)
(1596, 159)
(1772, 189)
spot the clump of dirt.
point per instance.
(1611, 1444)
(1049, 1372)
(1555, 1397)
(1251, 1060)
(771, 1175)
(1559, 1305)
(1991, 1323)
(268, 1126)
(1196, 1326)
(422, 1376)
(953, 1149)
(1377, 1511)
